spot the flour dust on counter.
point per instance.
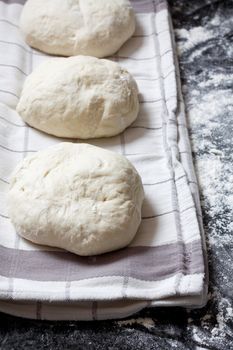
(204, 44)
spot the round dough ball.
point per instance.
(79, 97)
(79, 197)
(77, 27)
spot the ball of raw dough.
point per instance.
(77, 27)
(79, 197)
(81, 96)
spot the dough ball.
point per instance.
(79, 197)
(79, 97)
(77, 27)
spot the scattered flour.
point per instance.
(217, 332)
(191, 38)
(209, 170)
(145, 322)
(196, 337)
(216, 152)
(208, 98)
(216, 80)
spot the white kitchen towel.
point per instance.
(165, 265)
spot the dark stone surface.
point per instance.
(204, 34)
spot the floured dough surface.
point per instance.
(77, 27)
(79, 197)
(79, 97)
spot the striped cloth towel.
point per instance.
(165, 265)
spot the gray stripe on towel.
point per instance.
(148, 6)
(146, 263)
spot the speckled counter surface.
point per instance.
(204, 35)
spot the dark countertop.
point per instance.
(204, 34)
